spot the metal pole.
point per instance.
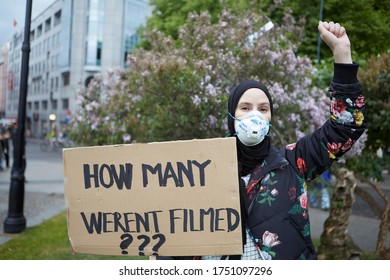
(15, 222)
(319, 38)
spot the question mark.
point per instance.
(160, 242)
(127, 239)
(144, 244)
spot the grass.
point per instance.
(47, 241)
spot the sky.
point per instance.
(11, 10)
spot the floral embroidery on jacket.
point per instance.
(265, 193)
(345, 111)
(303, 200)
(252, 185)
(292, 193)
(301, 165)
(269, 240)
(360, 101)
(347, 145)
(359, 117)
(337, 106)
(291, 146)
(333, 149)
(301, 206)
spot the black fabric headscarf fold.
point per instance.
(248, 157)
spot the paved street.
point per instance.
(44, 193)
(44, 198)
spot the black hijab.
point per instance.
(248, 157)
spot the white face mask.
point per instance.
(251, 128)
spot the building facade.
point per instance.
(71, 40)
(3, 77)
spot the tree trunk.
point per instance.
(384, 215)
(370, 201)
(335, 242)
(383, 231)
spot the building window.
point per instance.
(44, 105)
(94, 38)
(65, 103)
(29, 106)
(36, 105)
(39, 31)
(131, 42)
(65, 78)
(57, 18)
(99, 53)
(135, 13)
(47, 24)
(54, 104)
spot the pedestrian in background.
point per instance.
(322, 186)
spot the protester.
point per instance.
(321, 186)
(273, 182)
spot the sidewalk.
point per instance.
(44, 189)
(44, 198)
(363, 228)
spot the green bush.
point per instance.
(178, 90)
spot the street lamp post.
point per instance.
(52, 119)
(15, 222)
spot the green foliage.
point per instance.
(367, 23)
(169, 15)
(177, 90)
(324, 73)
(375, 80)
(367, 165)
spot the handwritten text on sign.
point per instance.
(122, 176)
(172, 198)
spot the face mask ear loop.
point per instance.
(233, 117)
(269, 124)
(236, 120)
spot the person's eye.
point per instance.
(263, 110)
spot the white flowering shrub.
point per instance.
(179, 89)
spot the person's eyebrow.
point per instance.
(244, 103)
(264, 103)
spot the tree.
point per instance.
(169, 15)
(367, 21)
(376, 84)
(179, 89)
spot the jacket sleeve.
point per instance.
(314, 153)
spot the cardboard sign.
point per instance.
(176, 198)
